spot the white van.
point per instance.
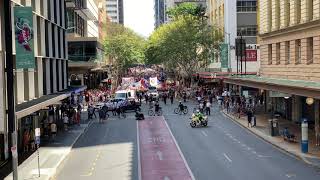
(125, 94)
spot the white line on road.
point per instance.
(166, 178)
(224, 154)
(184, 159)
(138, 148)
(204, 133)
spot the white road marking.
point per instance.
(204, 133)
(138, 147)
(224, 154)
(262, 156)
(290, 175)
(184, 159)
(254, 152)
(160, 156)
(166, 178)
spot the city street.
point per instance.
(223, 150)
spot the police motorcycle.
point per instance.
(198, 119)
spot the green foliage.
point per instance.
(184, 45)
(186, 9)
(124, 46)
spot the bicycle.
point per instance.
(151, 112)
(178, 110)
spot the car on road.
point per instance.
(153, 92)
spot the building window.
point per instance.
(310, 50)
(246, 6)
(278, 53)
(270, 53)
(298, 11)
(287, 13)
(310, 10)
(287, 52)
(298, 51)
(247, 30)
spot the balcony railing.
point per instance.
(84, 58)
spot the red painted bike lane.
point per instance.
(160, 157)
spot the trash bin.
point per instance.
(275, 125)
(271, 130)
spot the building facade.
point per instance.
(47, 83)
(160, 12)
(290, 59)
(114, 10)
(85, 50)
(235, 18)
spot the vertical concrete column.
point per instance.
(45, 7)
(65, 74)
(296, 106)
(63, 11)
(283, 4)
(58, 9)
(48, 72)
(50, 45)
(42, 36)
(19, 88)
(29, 91)
(38, 77)
(60, 74)
(274, 52)
(316, 115)
(293, 11)
(54, 75)
(305, 11)
(275, 14)
(35, 42)
(283, 53)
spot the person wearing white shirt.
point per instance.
(208, 105)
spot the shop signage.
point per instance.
(24, 37)
(251, 55)
(224, 55)
(276, 94)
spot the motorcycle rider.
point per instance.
(198, 117)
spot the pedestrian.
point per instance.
(101, 115)
(199, 99)
(32, 143)
(249, 116)
(26, 140)
(66, 122)
(146, 97)
(171, 98)
(208, 105)
(164, 98)
(53, 128)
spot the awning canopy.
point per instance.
(32, 106)
(296, 87)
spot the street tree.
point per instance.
(124, 47)
(184, 45)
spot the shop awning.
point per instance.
(296, 87)
(32, 106)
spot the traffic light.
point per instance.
(109, 83)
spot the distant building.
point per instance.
(235, 18)
(114, 10)
(85, 50)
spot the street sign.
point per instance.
(37, 132)
(37, 140)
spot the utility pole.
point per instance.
(10, 88)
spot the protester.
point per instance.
(53, 128)
(208, 105)
(66, 122)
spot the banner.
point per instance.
(24, 37)
(224, 55)
(154, 81)
(127, 80)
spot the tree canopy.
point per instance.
(185, 44)
(124, 46)
(186, 9)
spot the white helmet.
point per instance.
(197, 111)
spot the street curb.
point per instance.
(299, 157)
(56, 168)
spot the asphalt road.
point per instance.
(222, 151)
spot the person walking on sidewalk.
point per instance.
(53, 128)
(249, 116)
(26, 140)
(66, 122)
(171, 98)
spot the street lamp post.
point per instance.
(10, 88)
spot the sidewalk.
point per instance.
(261, 130)
(51, 154)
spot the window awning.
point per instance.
(296, 87)
(32, 106)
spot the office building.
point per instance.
(114, 10)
